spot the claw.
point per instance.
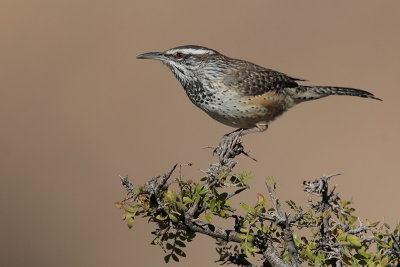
(231, 146)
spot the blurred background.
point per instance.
(77, 109)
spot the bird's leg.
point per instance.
(235, 131)
(230, 145)
(258, 129)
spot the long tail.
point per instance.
(304, 93)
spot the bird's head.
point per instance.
(186, 62)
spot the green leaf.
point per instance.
(363, 253)
(319, 259)
(169, 246)
(271, 179)
(204, 191)
(292, 205)
(347, 260)
(297, 241)
(350, 210)
(241, 236)
(354, 240)
(248, 255)
(155, 240)
(358, 257)
(188, 200)
(384, 261)
(253, 249)
(352, 219)
(175, 257)
(181, 206)
(198, 188)
(129, 215)
(245, 206)
(309, 253)
(129, 209)
(286, 257)
(371, 224)
(223, 196)
(261, 199)
(130, 222)
(383, 245)
(342, 237)
(118, 205)
(208, 217)
(180, 243)
(160, 218)
(326, 213)
(168, 196)
(166, 258)
(179, 252)
(212, 204)
(346, 243)
(173, 217)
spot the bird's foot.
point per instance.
(229, 146)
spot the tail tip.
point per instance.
(374, 97)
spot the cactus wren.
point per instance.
(239, 93)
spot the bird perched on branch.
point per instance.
(239, 93)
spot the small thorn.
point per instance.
(213, 147)
(247, 154)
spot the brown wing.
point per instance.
(250, 79)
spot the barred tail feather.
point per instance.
(304, 93)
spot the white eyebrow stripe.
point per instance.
(191, 51)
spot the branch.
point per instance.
(335, 238)
(128, 186)
(273, 258)
(209, 229)
(284, 223)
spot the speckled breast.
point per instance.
(235, 110)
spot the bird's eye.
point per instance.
(179, 55)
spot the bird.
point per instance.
(239, 93)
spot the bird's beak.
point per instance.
(152, 55)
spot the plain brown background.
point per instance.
(77, 109)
